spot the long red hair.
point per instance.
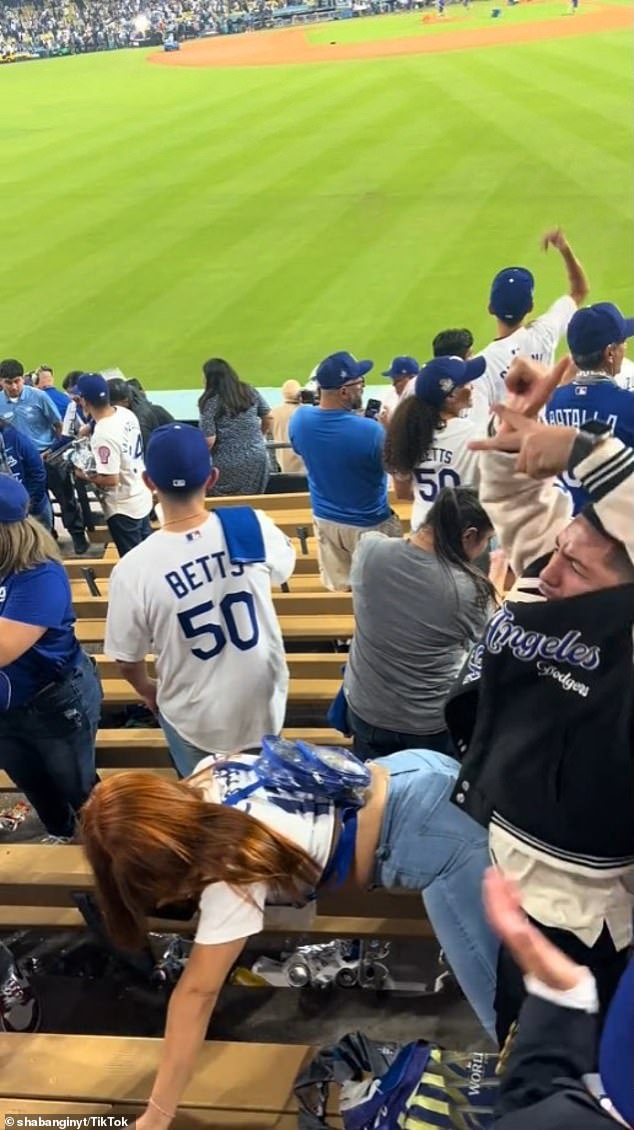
(149, 840)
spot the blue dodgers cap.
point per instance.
(593, 328)
(178, 458)
(616, 1050)
(512, 294)
(14, 500)
(442, 376)
(93, 388)
(403, 367)
(339, 369)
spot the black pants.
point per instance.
(128, 532)
(371, 741)
(62, 486)
(605, 962)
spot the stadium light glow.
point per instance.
(141, 24)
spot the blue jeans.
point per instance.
(48, 747)
(184, 755)
(427, 844)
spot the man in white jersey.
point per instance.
(510, 303)
(201, 600)
(118, 450)
(402, 373)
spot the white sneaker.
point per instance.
(56, 840)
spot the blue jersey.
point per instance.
(596, 399)
(25, 463)
(39, 596)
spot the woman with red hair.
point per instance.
(234, 843)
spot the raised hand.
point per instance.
(542, 450)
(554, 237)
(530, 386)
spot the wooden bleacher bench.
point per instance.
(43, 878)
(305, 565)
(234, 1086)
(288, 518)
(298, 583)
(297, 627)
(320, 604)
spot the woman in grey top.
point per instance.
(235, 419)
(419, 603)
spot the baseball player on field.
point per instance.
(198, 594)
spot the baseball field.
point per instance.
(274, 196)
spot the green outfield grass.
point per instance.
(152, 217)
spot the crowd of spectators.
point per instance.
(492, 717)
(70, 27)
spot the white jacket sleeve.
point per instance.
(527, 515)
(607, 474)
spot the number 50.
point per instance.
(227, 608)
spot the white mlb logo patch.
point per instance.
(581, 390)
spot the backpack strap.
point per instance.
(242, 533)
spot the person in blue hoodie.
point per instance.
(19, 457)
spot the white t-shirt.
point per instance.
(537, 340)
(226, 914)
(118, 450)
(220, 662)
(449, 463)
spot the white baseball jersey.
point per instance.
(448, 463)
(537, 340)
(118, 450)
(220, 662)
(227, 914)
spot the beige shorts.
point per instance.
(336, 544)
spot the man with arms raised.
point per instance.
(545, 714)
(198, 592)
(510, 303)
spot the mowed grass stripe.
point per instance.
(273, 214)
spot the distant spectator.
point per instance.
(343, 453)
(44, 378)
(50, 698)
(118, 450)
(510, 303)
(150, 416)
(235, 418)
(453, 343)
(19, 457)
(401, 372)
(419, 605)
(73, 420)
(289, 462)
(222, 677)
(427, 441)
(34, 413)
(597, 338)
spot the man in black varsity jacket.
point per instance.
(549, 1082)
(544, 715)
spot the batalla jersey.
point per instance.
(538, 340)
(449, 463)
(41, 597)
(117, 446)
(227, 914)
(590, 399)
(212, 625)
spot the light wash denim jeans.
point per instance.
(184, 755)
(427, 844)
